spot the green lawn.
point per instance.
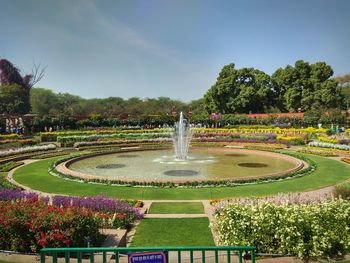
(173, 232)
(177, 208)
(36, 176)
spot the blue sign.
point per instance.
(148, 257)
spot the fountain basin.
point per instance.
(202, 165)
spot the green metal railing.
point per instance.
(176, 254)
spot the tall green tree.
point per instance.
(306, 86)
(240, 91)
(11, 99)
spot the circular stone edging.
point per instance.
(64, 168)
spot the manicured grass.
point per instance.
(173, 232)
(177, 208)
(329, 172)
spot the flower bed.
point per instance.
(308, 231)
(342, 191)
(318, 152)
(9, 166)
(29, 225)
(329, 145)
(11, 136)
(123, 213)
(346, 160)
(52, 136)
(114, 209)
(16, 143)
(28, 149)
(119, 142)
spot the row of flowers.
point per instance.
(95, 137)
(102, 204)
(329, 145)
(264, 129)
(27, 149)
(279, 199)
(318, 152)
(11, 136)
(52, 136)
(18, 142)
(308, 231)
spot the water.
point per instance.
(181, 138)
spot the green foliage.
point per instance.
(239, 91)
(306, 86)
(13, 99)
(308, 231)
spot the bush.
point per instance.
(29, 225)
(308, 231)
(342, 191)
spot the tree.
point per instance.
(9, 76)
(11, 101)
(240, 91)
(306, 86)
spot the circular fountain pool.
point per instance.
(201, 165)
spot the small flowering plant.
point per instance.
(29, 225)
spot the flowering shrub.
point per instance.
(308, 231)
(296, 140)
(69, 140)
(111, 207)
(264, 129)
(16, 194)
(319, 152)
(279, 199)
(342, 191)
(102, 143)
(27, 149)
(327, 139)
(329, 145)
(11, 136)
(123, 213)
(29, 225)
(21, 142)
(52, 136)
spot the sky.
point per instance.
(171, 48)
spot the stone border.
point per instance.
(64, 167)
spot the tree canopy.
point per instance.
(240, 91)
(300, 87)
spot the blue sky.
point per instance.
(173, 48)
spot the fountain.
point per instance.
(181, 138)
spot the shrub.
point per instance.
(342, 191)
(29, 225)
(308, 231)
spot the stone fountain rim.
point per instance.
(64, 167)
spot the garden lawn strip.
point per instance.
(36, 176)
(153, 232)
(176, 208)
